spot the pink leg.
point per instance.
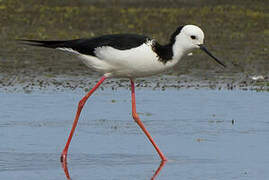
(80, 106)
(141, 125)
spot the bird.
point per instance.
(129, 56)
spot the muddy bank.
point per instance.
(236, 32)
(30, 83)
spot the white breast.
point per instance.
(136, 62)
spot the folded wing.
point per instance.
(88, 46)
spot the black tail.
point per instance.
(48, 44)
(83, 46)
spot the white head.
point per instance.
(187, 38)
(192, 35)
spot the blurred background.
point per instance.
(235, 31)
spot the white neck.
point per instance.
(179, 48)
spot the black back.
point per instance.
(87, 46)
(117, 41)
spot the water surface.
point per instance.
(205, 134)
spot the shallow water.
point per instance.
(205, 134)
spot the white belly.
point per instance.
(136, 62)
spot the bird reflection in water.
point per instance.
(156, 173)
(65, 168)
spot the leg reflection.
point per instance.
(65, 168)
(158, 170)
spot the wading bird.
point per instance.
(128, 56)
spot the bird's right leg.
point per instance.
(80, 106)
(141, 125)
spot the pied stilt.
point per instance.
(128, 56)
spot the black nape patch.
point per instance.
(165, 52)
(173, 36)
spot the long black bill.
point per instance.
(202, 47)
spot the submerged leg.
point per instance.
(80, 106)
(141, 125)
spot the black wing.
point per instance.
(87, 46)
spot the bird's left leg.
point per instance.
(141, 125)
(80, 106)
